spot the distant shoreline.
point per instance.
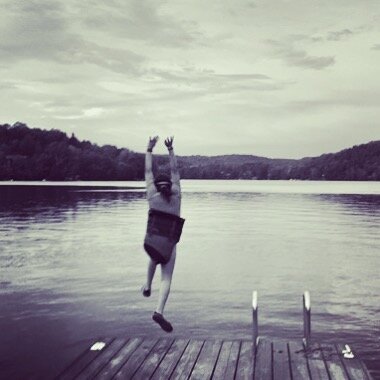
(9, 188)
(117, 184)
(36, 155)
(73, 184)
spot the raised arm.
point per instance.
(173, 161)
(149, 179)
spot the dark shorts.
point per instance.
(163, 233)
(155, 255)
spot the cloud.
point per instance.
(118, 60)
(7, 85)
(339, 35)
(167, 66)
(148, 20)
(41, 31)
(251, 4)
(190, 81)
(298, 57)
(89, 113)
(29, 28)
(302, 59)
(192, 75)
(351, 100)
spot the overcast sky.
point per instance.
(275, 78)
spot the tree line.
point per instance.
(36, 154)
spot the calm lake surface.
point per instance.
(72, 265)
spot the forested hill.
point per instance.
(35, 154)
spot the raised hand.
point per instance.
(152, 142)
(169, 142)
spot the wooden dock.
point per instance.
(257, 359)
(169, 358)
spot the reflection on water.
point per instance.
(72, 263)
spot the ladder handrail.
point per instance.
(255, 324)
(306, 317)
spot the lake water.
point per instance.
(72, 264)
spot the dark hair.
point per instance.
(163, 185)
(162, 177)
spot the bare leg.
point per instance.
(166, 280)
(152, 265)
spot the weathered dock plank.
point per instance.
(263, 367)
(187, 360)
(153, 360)
(136, 359)
(281, 362)
(96, 365)
(111, 368)
(227, 361)
(170, 360)
(298, 361)
(317, 365)
(246, 363)
(333, 362)
(82, 362)
(206, 361)
(353, 366)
